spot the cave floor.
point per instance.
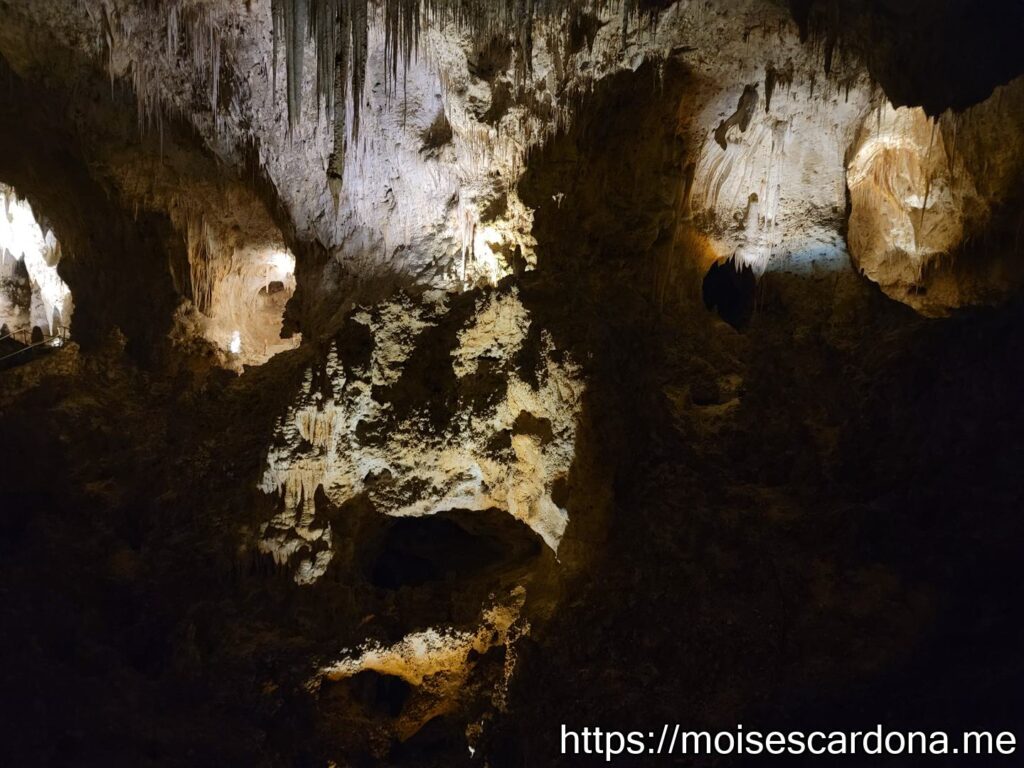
(815, 523)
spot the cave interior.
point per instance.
(389, 382)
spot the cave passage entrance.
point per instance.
(241, 293)
(35, 303)
(730, 289)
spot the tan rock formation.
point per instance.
(922, 188)
(482, 434)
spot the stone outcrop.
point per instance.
(421, 408)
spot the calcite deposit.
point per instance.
(404, 169)
(424, 409)
(437, 666)
(921, 189)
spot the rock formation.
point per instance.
(424, 416)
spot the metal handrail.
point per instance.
(24, 334)
(62, 334)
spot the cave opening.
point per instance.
(35, 303)
(450, 546)
(380, 693)
(240, 293)
(730, 289)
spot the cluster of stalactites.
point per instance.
(192, 38)
(202, 251)
(339, 30)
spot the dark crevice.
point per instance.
(730, 289)
(415, 551)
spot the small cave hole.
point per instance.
(730, 290)
(379, 693)
(437, 135)
(537, 426)
(416, 551)
(501, 102)
(273, 287)
(491, 58)
(583, 29)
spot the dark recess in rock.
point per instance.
(741, 117)
(731, 291)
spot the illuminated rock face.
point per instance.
(247, 288)
(427, 193)
(421, 407)
(430, 673)
(908, 197)
(32, 294)
(238, 273)
(768, 132)
(921, 188)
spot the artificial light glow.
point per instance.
(486, 261)
(282, 263)
(236, 343)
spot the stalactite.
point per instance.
(173, 32)
(360, 50)
(200, 255)
(146, 84)
(191, 38)
(401, 33)
(339, 99)
(340, 28)
(215, 74)
(524, 35)
(955, 120)
(323, 25)
(290, 26)
(277, 39)
(109, 41)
